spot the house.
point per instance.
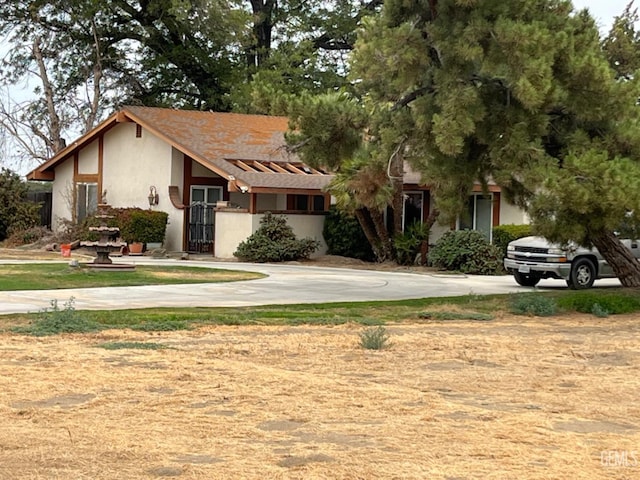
(215, 174)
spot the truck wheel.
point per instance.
(583, 273)
(526, 279)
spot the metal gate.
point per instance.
(201, 228)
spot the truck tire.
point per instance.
(583, 273)
(526, 279)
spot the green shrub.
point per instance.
(135, 224)
(374, 338)
(536, 305)
(55, 320)
(16, 212)
(274, 241)
(466, 251)
(344, 236)
(503, 234)
(409, 243)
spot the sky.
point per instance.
(603, 10)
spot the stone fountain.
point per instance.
(108, 243)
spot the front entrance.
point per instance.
(201, 214)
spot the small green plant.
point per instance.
(599, 311)
(274, 241)
(132, 345)
(536, 305)
(409, 243)
(374, 338)
(55, 320)
(466, 251)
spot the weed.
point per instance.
(533, 304)
(374, 338)
(599, 311)
(55, 320)
(132, 345)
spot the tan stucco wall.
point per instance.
(510, 214)
(62, 195)
(232, 228)
(127, 176)
(88, 159)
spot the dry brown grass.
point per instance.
(516, 398)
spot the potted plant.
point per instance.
(144, 227)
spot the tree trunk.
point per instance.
(364, 218)
(383, 234)
(624, 264)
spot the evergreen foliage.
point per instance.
(16, 212)
(274, 241)
(344, 236)
(503, 234)
(519, 93)
(466, 251)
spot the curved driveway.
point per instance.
(285, 284)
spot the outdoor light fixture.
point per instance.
(153, 196)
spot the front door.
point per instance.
(202, 218)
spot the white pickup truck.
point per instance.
(530, 259)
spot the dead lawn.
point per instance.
(515, 398)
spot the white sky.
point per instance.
(603, 10)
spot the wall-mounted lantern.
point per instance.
(153, 196)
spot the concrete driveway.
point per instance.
(285, 284)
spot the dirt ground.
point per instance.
(514, 398)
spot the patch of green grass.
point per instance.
(132, 345)
(50, 276)
(614, 301)
(371, 314)
(475, 316)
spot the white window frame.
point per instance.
(206, 189)
(474, 219)
(90, 203)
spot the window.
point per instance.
(86, 200)
(479, 215)
(413, 204)
(306, 203)
(205, 194)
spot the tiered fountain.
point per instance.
(107, 243)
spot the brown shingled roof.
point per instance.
(222, 141)
(249, 148)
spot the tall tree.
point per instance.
(518, 93)
(622, 44)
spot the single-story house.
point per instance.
(215, 174)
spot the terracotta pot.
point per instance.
(135, 248)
